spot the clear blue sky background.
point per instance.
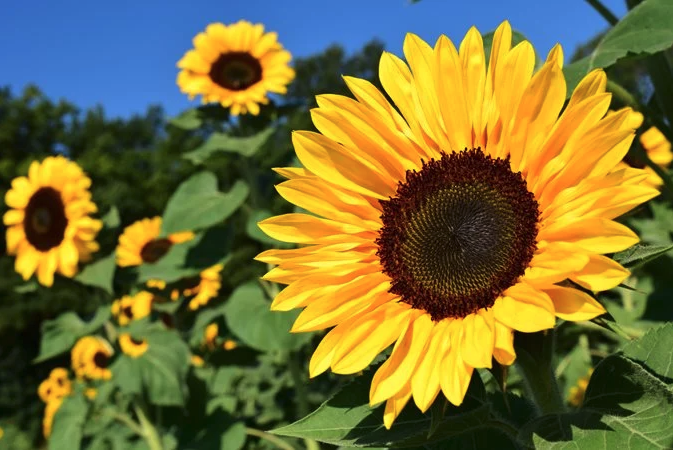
(122, 53)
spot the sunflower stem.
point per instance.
(149, 431)
(603, 11)
(275, 440)
(300, 394)
(534, 360)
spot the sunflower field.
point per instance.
(464, 246)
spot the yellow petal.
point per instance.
(601, 274)
(395, 405)
(455, 374)
(524, 308)
(478, 339)
(425, 379)
(503, 352)
(47, 267)
(574, 305)
(305, 229)
(324, 354)
(369, 336)
(396, 372)
(593, 234)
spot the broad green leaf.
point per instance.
(160, 372)
(347, 420)
(60, 334)
(197, 203)
(646, 29)
(187, 120)
(640, 254)
(219, 432)
(189, 258)
(628, 403)
(250, 319)
(221, 142)
(99, 274)
(66, 431)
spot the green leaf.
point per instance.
(640, 254)
(221, 142)
(60, 334)
(68, 423)
(628, 403)
(100, 273)
(189, 258)
(250, 319)
(160, 372)
(646, 29)
(187, 120)
(111, 220)
(347, 420)
(197, 203)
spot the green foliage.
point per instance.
(221, 142)
(269, 330)
(100, 273)
(645, 30)
(69, 423)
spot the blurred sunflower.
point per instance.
(210, 335)
(450, 225)
(204, 287)
(49, 412)
(576, 393)
(657, 147)
(131, 346)
(90, 358)
(56, 386)
(132, 307)
(140, 242)
(48, 224)
(235, 65)
(197, 361)
(229, 344)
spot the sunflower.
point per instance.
(450, 224)
(132, 307)
(140, 242)
(91, 358)
(657, 147)
(58, 385)
(131, 346)
(49, 412)
(576, 393)
(229, 345)
(48, 224)
(235, 65)
(204, 287)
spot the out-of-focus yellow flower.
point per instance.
(90, 358)
(657, 147)
(210, 335)
(206, 288)
(197, 361)
(91, 393)
(132, 307)
(132, 347)
(576, 393)
(57, 385)
(140, 242)
(48, 224)
(49, 412)
(229, 344)
(235, 65)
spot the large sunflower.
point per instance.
(48, 226)
(235, 65)
(140, 242)
(91, 357)
(455, 221)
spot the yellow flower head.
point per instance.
(657, 147)
(229, 345)
(91, 393)
(205, 287)
(235, 65)
(576, 393)
(49, 412)
(48, 224)
(140, 242)
(58, 385)
(90, 358)
(132, 307)
(197, 361)
(131, 346)
(210, 335)
(448, 221)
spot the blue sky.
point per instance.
(122, 53)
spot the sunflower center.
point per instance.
(236, 71)
(101, 359)
(154, 250)
(45, 221)
(458, 233)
